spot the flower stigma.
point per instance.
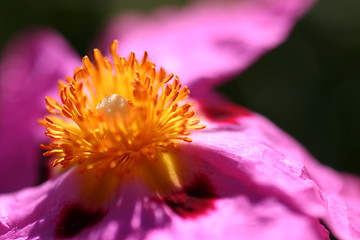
(122, 116)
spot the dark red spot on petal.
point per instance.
(227, 112)
(194, 200)
(74, 218)
(200, 188)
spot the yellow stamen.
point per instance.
(119, 115)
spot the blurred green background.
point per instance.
(308, 86)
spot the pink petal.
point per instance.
(34, 213)
(341, 197)
(239, 212)
(242, 210)
(207, 40)
(239, 218)
(258, 153)
(30, 68)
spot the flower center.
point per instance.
(122, 115)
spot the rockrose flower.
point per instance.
(134, 155)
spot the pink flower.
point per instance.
(240, 178)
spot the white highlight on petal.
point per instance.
(136, 219)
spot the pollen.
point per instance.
(118, 113)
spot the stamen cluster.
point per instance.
(112, 113)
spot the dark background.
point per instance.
(308, 86)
